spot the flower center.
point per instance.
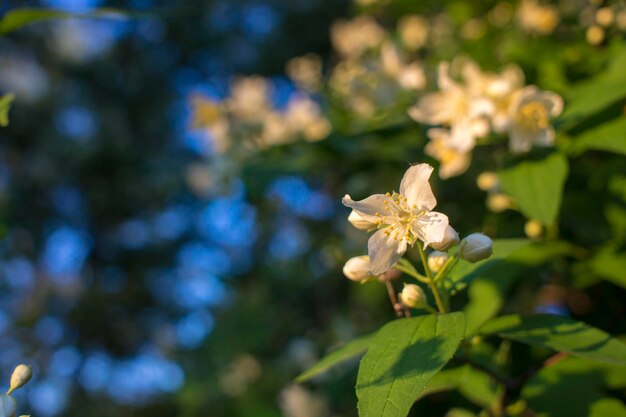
(533, 116)
(398, 217)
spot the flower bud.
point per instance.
(7, 406)
(450, 238)
(487, 181)
(357, 269)
(476, 247)
(359, 222)
(436, 260)
(413, 296)
(498, 202)
(21, 375)
(533, 229)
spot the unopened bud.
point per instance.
(21, 375)
(7, 406)
(450, 238)
(476, 247)
(413, 296)
(487, 181)
(359, 222)
(357, 269)
(533, 229)
(436, 260)
(498, 202)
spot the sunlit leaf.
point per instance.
(560, 333)
(609, 136)
(5, 106)
(402, 359)
(537, 186)
(337, 356)
(591, 96)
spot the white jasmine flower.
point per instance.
(402, 218)
(530, 118)
(454, 106)
(499, 89)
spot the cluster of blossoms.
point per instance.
(375, 74)
(483, 102)
(404, 219)
(21, 375)
(247, 118)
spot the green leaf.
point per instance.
(561, 334)
(475, 385)
(446, 380)
(609, 136)
(480, 388)
(337, 356)
(465, 272)
(591, 96)
(17, 18)
(5, 106)
(537, 186)
(401, 360)
(608, 407)
(610, 263)
(573, 387)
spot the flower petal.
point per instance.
(520, 139)
(444, 80)
(416, 189)
(431, 227)
(384, 251)
(553, 102)
(368, 207)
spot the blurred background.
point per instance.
(158, 258)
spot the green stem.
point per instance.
(414, 274)
(431, 281)
(452, 260)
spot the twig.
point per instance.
(397, 307)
